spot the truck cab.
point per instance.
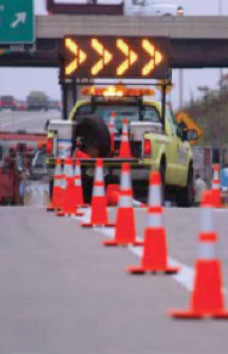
(155, 143)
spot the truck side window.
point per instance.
(172, 122)
(150, 114)
(84, 109)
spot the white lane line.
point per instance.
(185, 277)
(17, 122)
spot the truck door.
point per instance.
(177, 151)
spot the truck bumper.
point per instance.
(112, 167)
(112, 171)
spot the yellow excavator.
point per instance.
(185, 121)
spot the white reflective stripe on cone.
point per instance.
(58, 170)
(155, 220)
(125, 181)
(68, 170)
(125, 201)
(77, 181)
(99, 174)
(112, 120)
(215, 185)
(77, 171)
(207, 250)
(111, 127)
(154, 195)
(124, 138)
(57, 182)
(98, 191)
(206, 219)
(63, 183)
(125, 129)
(216, 174)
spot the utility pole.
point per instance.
(181, 88)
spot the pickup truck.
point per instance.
(154, 144)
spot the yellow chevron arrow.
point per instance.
(156, 57)
(79, 56)
(105, 59)
(131, 57)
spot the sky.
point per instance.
(11, 79)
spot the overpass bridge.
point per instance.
(197, 42)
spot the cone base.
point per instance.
(191, 314)
(50, 208)
(89, 225)
(138, 243)
(83, 206)
(114, 243)
(78, 213)
(60, 213)
(143, 270)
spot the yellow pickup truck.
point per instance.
(155, 143)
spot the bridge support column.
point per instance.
(69, 96)
(70, 89)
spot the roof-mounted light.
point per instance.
(117, 91)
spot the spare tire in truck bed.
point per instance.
(93, 135)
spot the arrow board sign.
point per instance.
(17, 23)
(115, 57)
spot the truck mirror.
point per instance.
(192, 134)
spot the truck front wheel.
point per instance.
(162, 170)
(185, 196)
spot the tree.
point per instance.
(211, 112)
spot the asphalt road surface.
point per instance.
(29, 121)
(63, 292)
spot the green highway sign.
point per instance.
(17, 24)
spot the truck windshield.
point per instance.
(131, 112)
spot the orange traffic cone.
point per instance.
(57, 190)
(207, 296)
(154, 257)
(69, 207)
(125, 231)
(111, 127)
(125, 149)
(99, 213)
(78, 192)
(216, 187)
(113, 194)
